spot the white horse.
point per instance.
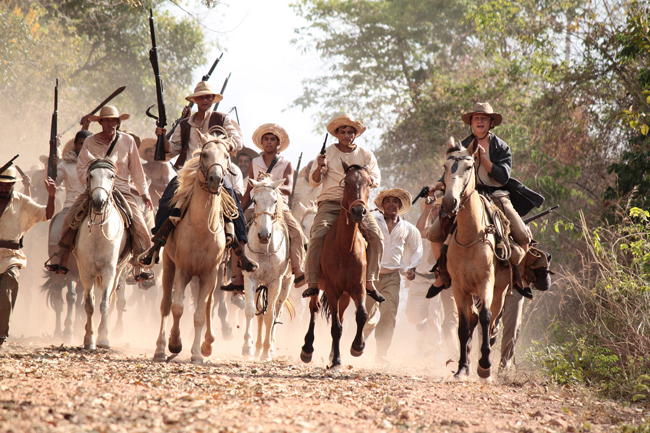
(99, 247)
(266, 289)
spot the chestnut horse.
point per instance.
(343, 269)
(476, 273)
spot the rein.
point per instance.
(107, 206)
(275, 217)
(353, 204)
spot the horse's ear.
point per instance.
(451, 143)
(253, 183)
(345, 166)
(277, 183)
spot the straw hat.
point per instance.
(271, 128)
(9, 175)
(45, 158)
(109, 112)
(204, 88)
(483, 108)
(402, 195)
(147, 143)
(248, 152)
(346, 120)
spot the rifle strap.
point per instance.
(112, 146)
(273, 163)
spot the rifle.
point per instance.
(189, 106)
(236, 114)
(295, 179)
(51, 165)
(541, 214)
(322, 151)
(104, 102)
(223, 88)
(161, 120)
(424, 192)
(7, 165)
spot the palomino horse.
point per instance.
(268, 242)
(475, 271)
(343, 268)
(98, 249)
(196, 246)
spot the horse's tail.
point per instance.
(291, 309)
(325, 307)
(49, 288)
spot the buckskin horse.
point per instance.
(476, 272)
(196, 246)
(343, 269)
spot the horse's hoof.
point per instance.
(247, 351)
(206, 349)
(159, 357)
(176, 349)
(197, 360)
(226, 333)
(358, 351)
(305, 357)
(90, 346)
(484, 373)
(103, 346)
(335, 368)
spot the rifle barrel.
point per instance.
(7, 165)
(223, 89)
(322, 151)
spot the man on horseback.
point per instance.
(401, 240)
(492, 177)
(330, 175)
(121, 149)
(273, 139)
(18, 213)
(183, 142)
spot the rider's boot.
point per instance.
(443, 279)
(311, 290)
(59, 268)
(245, 264)
(373, 292)
(299, 275)
(159, 240)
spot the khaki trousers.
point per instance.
(140, 245)
(388, 285)
(511, 321)
(8, 294)
(518, 229)
(296, 248)
(328, 212)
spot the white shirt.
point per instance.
(21, 214)
(236, 180)
(232, 130)
(331, 177)
(401, 246)
(66, 171)
(277, 173)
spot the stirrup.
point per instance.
(55, 267)
(151, 256)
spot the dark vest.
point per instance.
(216, 119)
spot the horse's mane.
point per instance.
(107, 163)
(356, 167)
(312, 208)
(455, 149)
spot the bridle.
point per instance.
(358, 202)
(454, 167)
(275, 217)
(105, 210)
(205, 171)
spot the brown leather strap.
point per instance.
(216, 119)
(10, 245)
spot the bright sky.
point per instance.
(267, 71)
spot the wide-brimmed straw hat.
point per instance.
(402, 195)
(248, 152)
(9, 175)
(483, 108)
(147, 143)
(109, 112)
(346, 120)
(271, 128)
(204, 88)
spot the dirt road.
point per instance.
(71, 389)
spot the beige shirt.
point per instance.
(277, 173)
(231, 127)
(21, 214)
(331, 177)
(66, 171)
(125, 157)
